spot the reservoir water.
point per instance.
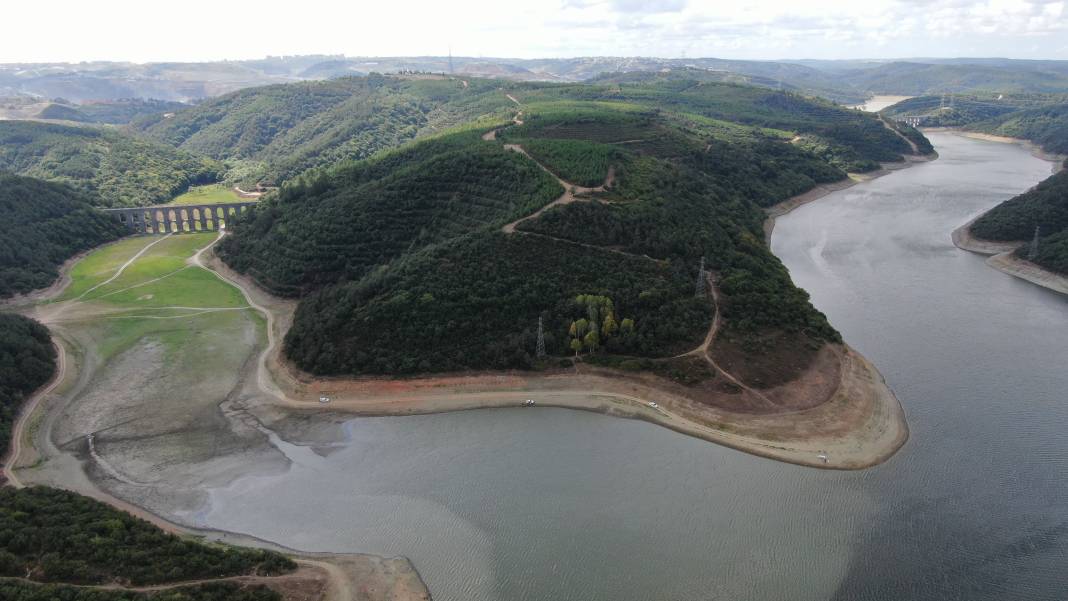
(539, 504)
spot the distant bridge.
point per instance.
(913, 120)
(178, 218)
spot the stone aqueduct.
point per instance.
(178, 218)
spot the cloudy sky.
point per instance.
(194, 30)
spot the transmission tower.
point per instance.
(450, 61)
(701, 286)
(541, 340)
(1033, 253)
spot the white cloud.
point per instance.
(209, 29)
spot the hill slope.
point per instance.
(1046, 126)
(118, 169)
(44, 224)
(917, 79)
(1045, 206)
(421, 259)
(282, 130)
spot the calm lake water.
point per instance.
(540, 504)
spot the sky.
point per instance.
(204, 30)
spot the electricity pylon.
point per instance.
(699, 289)
(541, 340)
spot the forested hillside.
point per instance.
(919, 78)
(118, 169)
(341, 225)
(278, 131)
(27, 361)
(1046, 126)
(938, 111)
(1045, 206)
(414, 261)
(847, 139)
(116, 112)
(43, 225)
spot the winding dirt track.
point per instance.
(569, 196)
(28, 408)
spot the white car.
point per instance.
(324, 399)
(654, 405)
(529, 403)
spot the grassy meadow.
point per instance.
(206, 195)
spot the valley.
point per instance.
(468, 311)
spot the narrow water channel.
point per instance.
(538, 504)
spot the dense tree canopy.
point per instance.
(1046, 126)
(404, 269)
(53, 535)
(11, 590)
(27, 361)
(342, 224)
(1045, 206)
(282, 130)
(118, 169)
(44, 224)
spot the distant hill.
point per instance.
(845, 81)
(915, 79)
(44, 224)
(952, 111)
(119, 170)
(436, 256)
(279, 131)
(114, 112)
(1046, 126)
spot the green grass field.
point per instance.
(161, 277)
(101, 264)
(203, 195)
(158, 295)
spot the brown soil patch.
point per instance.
(768, 361)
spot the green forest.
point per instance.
(1046, 126)
(115, 112)
(52, 535)
(342, 224)
(27, 362)
(1046, 207)
(273, 133)
(401, 266)
(12, 590)
(119, 170)
(44, 225)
